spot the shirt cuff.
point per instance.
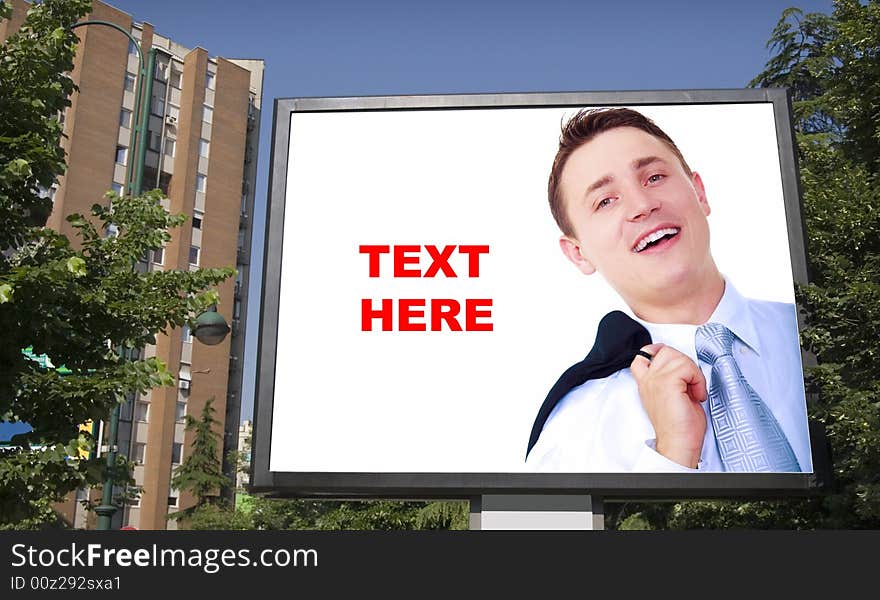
(651, 461)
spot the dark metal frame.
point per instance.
(465, 485)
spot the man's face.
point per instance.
(638, 217)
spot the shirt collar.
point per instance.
(732, 312)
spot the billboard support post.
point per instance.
(544, 512)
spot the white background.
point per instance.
(353, 401)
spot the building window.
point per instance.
(201, 182)
(172, 501)
(155, 141)
(126, 408)
(157, 107)
(160, 68)
(121, 155)
(150, 176)
(176, 79)
(129, 82)
(141, 411)
(138, 453)
(158, 255)
(197, 220)
(117, 188)
(132, 49)
(204, 147)
(125, 118)
(176, 453)
(209, 80)
(180, 415)
(194, 255)
(169, 147)
(207, 114)
(186, 334)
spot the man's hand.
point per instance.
(672, 387)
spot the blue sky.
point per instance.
(351, 48)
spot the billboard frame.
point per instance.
(466, 485)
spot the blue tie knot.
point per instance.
(713, 340)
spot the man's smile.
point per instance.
(656, 238)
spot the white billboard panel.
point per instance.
(425, 308)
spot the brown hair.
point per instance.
(583, 127)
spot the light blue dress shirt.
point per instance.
(601, 426)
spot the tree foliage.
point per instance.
(34, 88)
(219, 516)
(272, 513)
(201, 472)
(444, 515)
(77, 304)
(831, 64)
(296, 514)
(276, 513)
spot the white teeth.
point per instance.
(653, 237)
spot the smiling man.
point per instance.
(699, 378)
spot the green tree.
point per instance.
(276, 513)
(201, 472)
(831, 64)
(77, 304)
(34, 89)
(454, 514)
(219, 516)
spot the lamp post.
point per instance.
(211, 327)
(133, 177)
(107, 509)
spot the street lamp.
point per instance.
(107, 509)
(211, 327)
(133, 178)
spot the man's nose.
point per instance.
(640, 204)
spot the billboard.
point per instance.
(426, 316)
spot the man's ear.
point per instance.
(573, 251)
(701, 193)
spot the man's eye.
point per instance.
(655, 178)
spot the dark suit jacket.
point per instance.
(618, 339)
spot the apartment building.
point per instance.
(202, 137)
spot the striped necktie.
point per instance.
(748, 436)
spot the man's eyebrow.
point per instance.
(601, 182)
(644, 162)
(606, 179)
